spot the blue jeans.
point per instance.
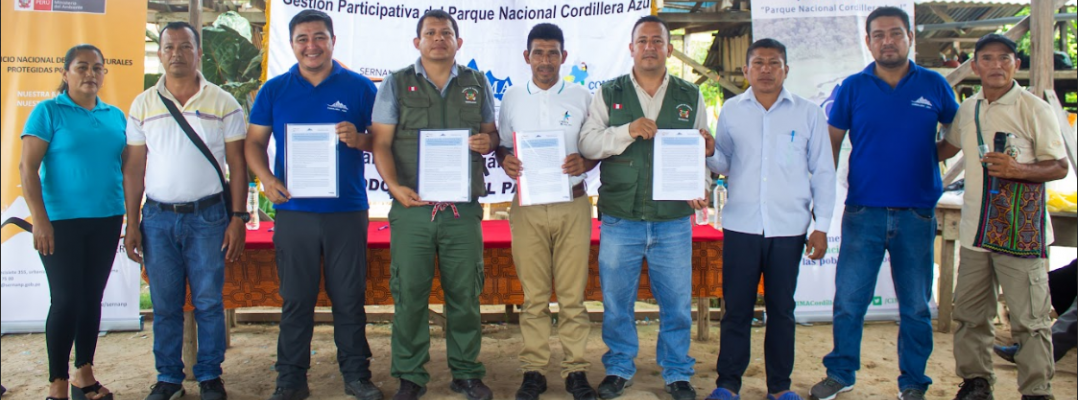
(668, 248)
(909, 236)
(181, 249)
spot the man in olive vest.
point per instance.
(621, 122)
(434, 93)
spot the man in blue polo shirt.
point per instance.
(891, 110)
(317, 90)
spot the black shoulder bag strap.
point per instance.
(227, 192)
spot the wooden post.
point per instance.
(1042, 46)
(703, 318)
(230, 322)
(1065, 129)
(194, 14)
(511, 316)
(685, 49)
(190, 344)
(1063, 28)
(948, 220)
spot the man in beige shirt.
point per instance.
(1034, 153)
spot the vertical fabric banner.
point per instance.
(825, 43)
(36, 34)
(375, 39)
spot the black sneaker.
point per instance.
(613, 386)
(828, 389)
(165, 391)
(974, 389)
(1024, 397)
(577, 384)
(409, 391)
(473, 389)
(213, 389)
(363, 389)
(290, 394)
(681, 390)
(534, 384)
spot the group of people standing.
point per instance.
(84, 164)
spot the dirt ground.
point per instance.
(125, 364)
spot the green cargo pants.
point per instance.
(458, 244)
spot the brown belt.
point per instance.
(579, 191)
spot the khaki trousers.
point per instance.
(551, 244)
(1025, 287)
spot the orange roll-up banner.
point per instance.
(36, 34)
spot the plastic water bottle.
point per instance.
(718, 200)
(252, 206)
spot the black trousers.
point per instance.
(308, 246)
(745, 259)
(78, 271)
(1061, 286)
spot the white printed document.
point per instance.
(679, 168)
(541, 155)
(444, 166)
(311, 160)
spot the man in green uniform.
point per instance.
(434, 93)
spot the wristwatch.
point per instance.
(243, 216)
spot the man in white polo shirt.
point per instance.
(551, 242)
(184, 232)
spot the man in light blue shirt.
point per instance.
(774, 148)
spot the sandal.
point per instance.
(83, 393)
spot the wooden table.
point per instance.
(948, 220)
(252, 280)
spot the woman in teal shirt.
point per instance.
(72, 181)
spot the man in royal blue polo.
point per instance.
(317, 90)
(892, 110)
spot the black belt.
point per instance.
(186, 208)
(579, 191)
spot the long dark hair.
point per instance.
(70, 57)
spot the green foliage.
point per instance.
(144, 302)
(228, 57)
(266, 206)
(711, 91)
(235, 21)
(230, 60)
(149, 80)
(1024, 42)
